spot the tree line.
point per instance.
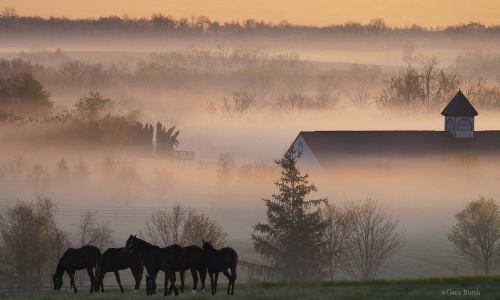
(313, 239)
(11, 21)
(32, 240)
(255, 80)
(24, 100)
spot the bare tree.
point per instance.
(225, 168)
(241, 102)
(374, 238)
(364, 78)
(409, 53)
(338, 229)
(476, 235)
(90, 232)
(183, 226)
(31, 244)
(421, 88)
(164, 228)
(199, 227)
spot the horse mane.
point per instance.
(144, 243)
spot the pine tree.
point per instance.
(291, 241)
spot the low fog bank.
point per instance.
(424, 193)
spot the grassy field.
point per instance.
(488, 287)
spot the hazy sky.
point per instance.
(319, 12)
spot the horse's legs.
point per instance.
(101, 280)
(195, 280)
(153, 282)
(148, 285)
(233, 275)
(230, 279)
(137, 273)
(171, 275)
(71, 274)
(181, 275)
(211, 275)
(117, 275)
(203, 275)
(215, 280)
(93, 284)
(167, 291)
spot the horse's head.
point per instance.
(130, 244)
(207, 245)
(58, 282)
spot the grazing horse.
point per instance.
(86, 257)
(151, 257)
(115, 259)
(220, 261)
(179, 259)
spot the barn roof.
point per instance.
(332, 145)
(459, 106)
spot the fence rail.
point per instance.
(68, 210)
(184, 155)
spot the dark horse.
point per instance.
(151, 258)
(179, 259)
(220, 261)
(115, 259)
(87, 257)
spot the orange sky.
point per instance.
(317, 12)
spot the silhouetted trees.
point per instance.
(31, 244)
(159, 24)
(23, 94)
(337, 232)
(292, 238)
(476, 234)
(422, 88)
(90, 107)
(166, 139)
(373, 238)
(183, 226)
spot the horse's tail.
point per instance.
(233, 271)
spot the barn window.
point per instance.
(464, 125)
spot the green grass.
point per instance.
(421, 289)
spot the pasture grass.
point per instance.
(418, 289)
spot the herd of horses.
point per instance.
(139, 254)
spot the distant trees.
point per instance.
(422, 88)
(31, 244)
(202, 25)
(483, 94)
(339, 227)
(240, 102)
(90, 232)
(476, 234)
(365, 80)
(166, 139)
(183, 226)
(23, 94)
(303, 238)
(292, 238)
(91, 107)
(225, 168)
(373, 238)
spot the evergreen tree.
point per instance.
(292, 238)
